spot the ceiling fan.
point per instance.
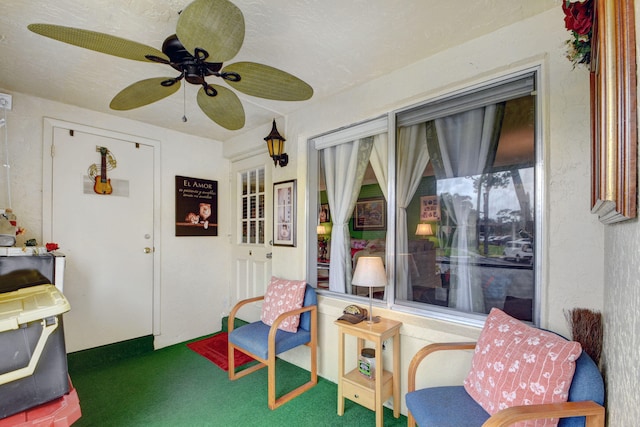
(208, 33)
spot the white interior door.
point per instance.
(108, 239)
(252, 213)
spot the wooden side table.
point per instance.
(355, 386)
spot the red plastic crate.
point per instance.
(60, 412)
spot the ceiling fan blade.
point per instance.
(99, 42)
(225, 108)
(267, 82)
(216, 26)
(143, 93)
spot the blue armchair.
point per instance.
(452, 406)
(263, 343)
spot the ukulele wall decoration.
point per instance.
(107, 162)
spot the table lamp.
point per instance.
(321, 231)
(424, 230)
(370, 273)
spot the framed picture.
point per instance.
(613, 112)
(370, 215)
(429, 208)
(325, 214)
(284, 213)
(196, 207)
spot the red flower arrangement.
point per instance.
(52, 247)
(579, 20)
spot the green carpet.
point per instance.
(175, 386)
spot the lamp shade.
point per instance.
(424, 230)
(369, 272)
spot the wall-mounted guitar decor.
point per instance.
(107, 162)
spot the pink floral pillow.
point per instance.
(358, 244)
(516, 364)
(282, 296)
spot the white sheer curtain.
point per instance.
(380, 161)
(344, 166)
(411, 158)
(466, 143)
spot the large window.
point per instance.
(460, 233)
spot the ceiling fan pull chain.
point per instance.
(184, 103)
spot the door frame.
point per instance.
(47, 193)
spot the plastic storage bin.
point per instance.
(33, 359)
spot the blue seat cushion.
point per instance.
(445, 407)
(254, 337)
(587, 384)
(453, 407)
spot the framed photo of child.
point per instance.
(284, 213)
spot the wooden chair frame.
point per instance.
(270, 362)
(594, 413)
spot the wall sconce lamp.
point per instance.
(275, 144)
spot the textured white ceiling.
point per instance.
(330, 44)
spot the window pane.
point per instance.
(261, 206)
(245, 209)
(466, 208)
(260, 181)
(363, 213)
(245, 233)
(252, 206)
(252, 182)
(252, 201)
(252, 231)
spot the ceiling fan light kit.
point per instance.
(208, 33)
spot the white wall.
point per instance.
(193, 269)
(573, 237)
(621, 358)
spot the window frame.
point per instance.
(356, 131)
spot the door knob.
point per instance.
(147, 250)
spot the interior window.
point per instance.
(350, 169)
(466, 213)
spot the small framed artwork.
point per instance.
(284, 213)
(429, 208)
(196, 207)
(370, 215)
(325, 214)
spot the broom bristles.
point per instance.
(586, 328)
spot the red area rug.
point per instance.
(215, 349)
